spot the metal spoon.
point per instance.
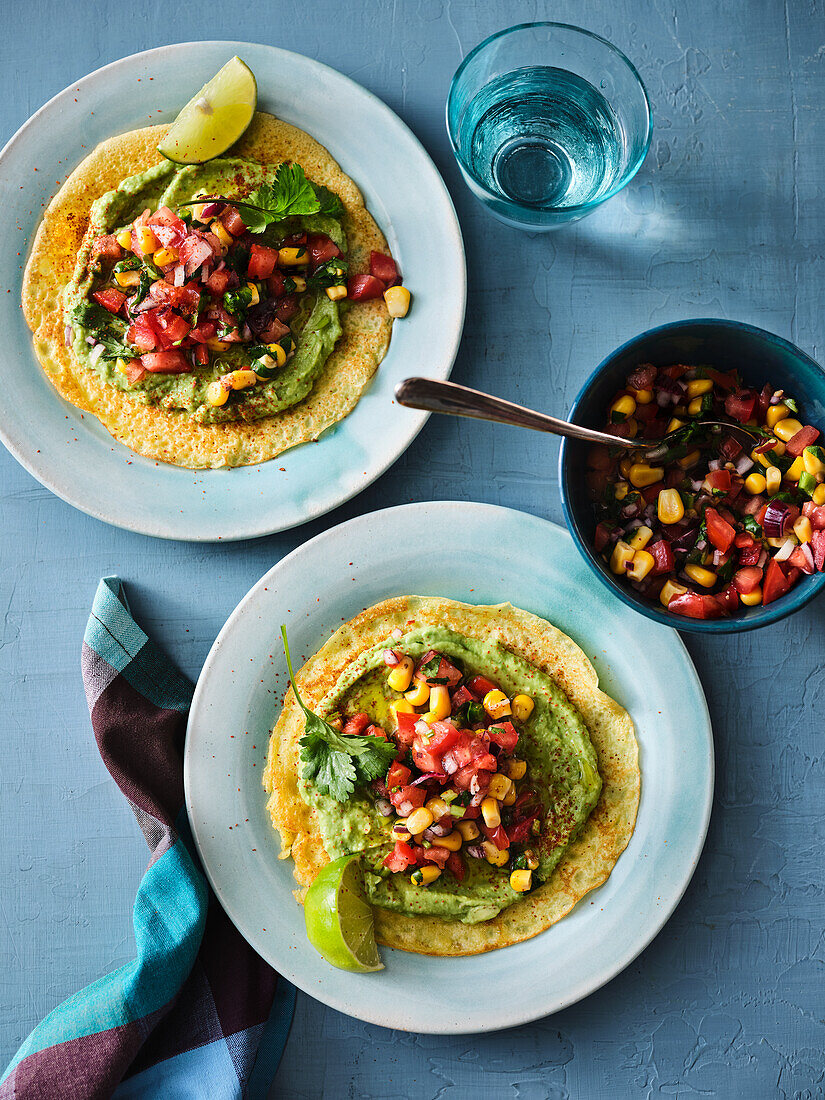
(432, 395)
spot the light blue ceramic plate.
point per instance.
(481, 554)
(73, 455)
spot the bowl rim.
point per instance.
(578, 208)
(757, 617)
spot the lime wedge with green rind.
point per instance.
(339, 919)
(215, 118)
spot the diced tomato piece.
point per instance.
(217, 283)
(166, 362)
(818, 548)
(276, 330)
(728, 599)
(695, 606)
(287, 308)
(134, 371)
(204, 331)
(398, 775)
(799, 560)
(744, 540)
(726, 380)
(760, 515)
(167, 228)
(142, 334)
(481, 685)
(765, 399)
(232, 221)
(356, 724)
(663, 559)
(522, 830)
(747, 578)
(362, 288)
(416, 796)
(718, 480)
(164, 215)
(184, 298)
(720, 532)
(262, 261)
(428, 751)
(805, 437)
(276, 284)
(675, 371)
(642, 378)
(645, 413)
(815, 513)
(109, 299)
(455, 864)
(461, 696)
(375, 731)
(601, 537)
(202, 355)
(321, 249)
(400, 858)
(778, 580)
(405, 733)
(740, 405)
(446, 673)
(504, 734)
(434, 854)
(750, 555)
(172, 326)
(650, 493)
(498, 835)
(106, 248)
(384, 267)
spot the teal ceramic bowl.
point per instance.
(760, 357)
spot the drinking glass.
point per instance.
(547, 121)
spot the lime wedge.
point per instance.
(339, 920)
(215, 118)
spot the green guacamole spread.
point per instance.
(554, 741)
(315, 328)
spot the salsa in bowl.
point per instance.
(718, 521)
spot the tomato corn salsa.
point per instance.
(200, 305)
(712, 517)
(456, 788)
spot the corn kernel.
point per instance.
(398, 301)
(147, 241)
(625, 466)
(802, 529)
(755, 484)
(440, 705)
(776, 543)
(278, 354)
(217, 394)
(300, 284)
(437, 807)
(425, 875)
(669, 506)
(496, 704)
(689, 459)
(795, 470)
(776, 413)
(622, 490)
(786, 429)
(773, 479)
(165, 256)
(680, 410)
(336, 293)
(699, 386)
(124, 238)
(214, 344)
(641, 474)
(400, 706)
(751, 599)
(401, 675)
(127, 278)
(223, 235)
(643, 397)
(293, 257)
(510, 797)
(621, 557)
(641, 565)
(242, 379)
(120, 365)
(499, 786)
(625, 406)
(520, 881)
(490, 812)
(256, 297)
(522, 707)
(517, 769)
(631, 428)
(818, 495)
(669, 590)
(418, 821)
(641, 537)
(418, 694)
(452, 841)
(698, 573)
(674, 425)
(497, 856)
(695, 406)
(531, 858)
(813, 464)
(468, 830)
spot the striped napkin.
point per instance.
(197, 1013)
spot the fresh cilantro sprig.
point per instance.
(290, 194)
(107, 329)
(333, 762)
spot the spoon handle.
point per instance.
(432, 395)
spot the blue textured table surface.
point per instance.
(725, 219)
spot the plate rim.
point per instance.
(319, 991)
(416, 419)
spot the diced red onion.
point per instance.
(715, 464)
(777, 397)
(763, 557)
(179, 275)
(246, 332)
(68, 336)
(630, 510)
(391, 658)
(421, 727)
(96, 353)
(700, 544)
(426, 777)
(663, 399)
(743, 464)
(777, 518)
(397, 633)
(809, 557)
(696, 484)
(212, 209)
(448, 763)
(384, 808)
(475, 851)
(90, 340)
(399, 828)
(719, 558)
(437, 830)
(785, 550)
(405, 808)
